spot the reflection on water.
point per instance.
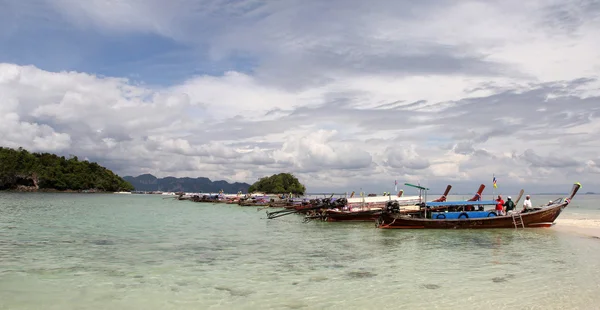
(143, 252)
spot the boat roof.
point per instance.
(461, 203)
(417, 186)
(381, 199)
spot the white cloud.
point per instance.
(138, 130)
(322, 149)
(16, 133)
(342, 96)
(249, 98)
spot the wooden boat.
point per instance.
(373, 200)
(367, 213)
(254, 201)
(356, 203)
(372, 213)
(288, 203)
(417, 208)
(543, 216)
(317, 204)
(317, 208)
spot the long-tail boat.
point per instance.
(374, 201)
(542, 216)
(409, 206)
(423, 192)
(357, 203)
(318, 204)
(254, 200)
(367, 213)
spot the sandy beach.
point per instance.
(586, 227)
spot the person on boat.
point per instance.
(500, 205)
(527, 203)
(509, 205)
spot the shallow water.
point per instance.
(76, 251)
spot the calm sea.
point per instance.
(95, 251)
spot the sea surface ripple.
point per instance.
(102, 251)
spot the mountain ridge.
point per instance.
(148, 182)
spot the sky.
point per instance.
(346, 95)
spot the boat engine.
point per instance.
(327, 203)
(392, 206)
(340, 203)
(315, 201)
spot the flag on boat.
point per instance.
(395, 185)
(495, 185)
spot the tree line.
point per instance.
(50, 171)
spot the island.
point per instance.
(282, 183)
(21, 170)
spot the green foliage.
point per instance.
(19, 167)
(282, 183)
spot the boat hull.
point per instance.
(539, 218)
(367, 215)
(352, 216)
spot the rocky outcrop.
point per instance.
(20, 182)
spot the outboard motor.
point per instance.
(392, 206)
(342, 202)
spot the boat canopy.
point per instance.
(417, 186)
(461, 203)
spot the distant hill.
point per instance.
(148, 182)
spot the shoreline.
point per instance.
(578, 227)
(48, 190)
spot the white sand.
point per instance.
(586, 227)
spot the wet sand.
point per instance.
(585, 227)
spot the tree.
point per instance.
(18, 167)
(283, 183)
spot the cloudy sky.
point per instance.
(344, 94)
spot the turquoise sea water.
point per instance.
(96, 251)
